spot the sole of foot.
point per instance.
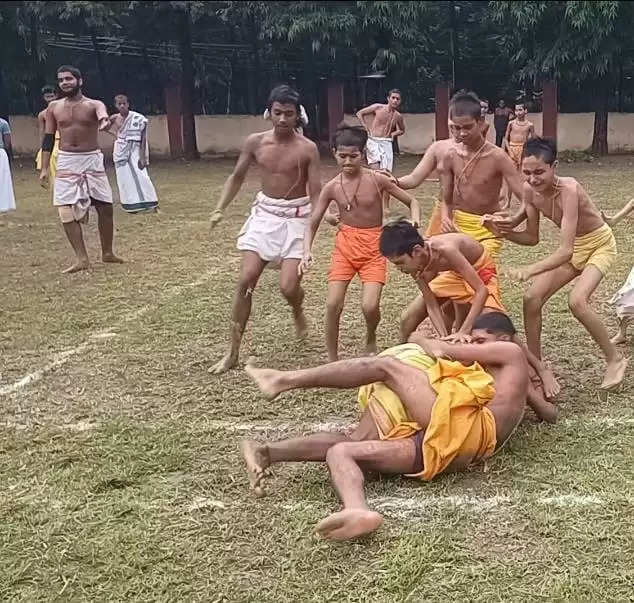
(257, 465)
(614, 375)
(349, 524)
(265, 379)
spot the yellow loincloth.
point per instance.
(451, 285)
(52, 167)
(597, 247)
(460, 424)
(516, 150)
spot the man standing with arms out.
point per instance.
(48, 96)
(130, 156)
(274, 232)
(501, 118)
(386, 126)
(518, 132)
(81, 179)
(7, 199)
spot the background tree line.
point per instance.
(227, 55)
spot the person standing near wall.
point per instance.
(501, 120)
(7, 199)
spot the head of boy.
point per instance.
(284, 112)
(69, 80)
(48, 94)
(403, 246)
(492, 326)
(520, 110)
(394, 98)
(484, 107)
(465, 114)
(122, 104)
(539, 162)
(348, 147)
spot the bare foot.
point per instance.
(550, 383)
(620, 337)
(111, 258)
(77, 267)
(268, 380)
(614, 373)
(257, 459)
(348, 524)
(222, 366)
(370, 347)
(301, 324)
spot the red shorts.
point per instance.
(357, 251)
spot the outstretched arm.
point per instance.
(530, 235)
(390, 187)
(102, 115)
(495, 352)
(422, 171)
(628, 208)
(433, 308)
(236, 179)
(551, 387)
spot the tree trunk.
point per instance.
(106, 91)
(4, 97)
(187, 69)
(600, 134)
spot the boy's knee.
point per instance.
(370, 309)
(334, 307)
(577, 303)
(337, 452)
(289, 290)
(532, 301)
(246, 284)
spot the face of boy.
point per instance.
(465, 128)
(486, 336)
(394, 100)
(520, 111)
(409, 264)
(283, 116)
(538, 173)
(122, 104)
(49, 97)
(349, 159)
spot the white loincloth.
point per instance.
(136, 191)
(7, 198)
(80, 178)
(623, 299)
(275, 228)
(379, 150)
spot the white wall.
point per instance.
(225, 134)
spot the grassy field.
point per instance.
(120, 473)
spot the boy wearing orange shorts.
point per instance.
(358, 193)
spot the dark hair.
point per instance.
(284, 95)
(394, 91)
(121, 94)
(399, 237)
(76, 73)
(495, 322)
(520, 104)
(544, 148)
(350, 136)
(465, 104)
(48, 90)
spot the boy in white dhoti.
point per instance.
(7, 199)
(81, 179)
(130, 155)
(274, 231)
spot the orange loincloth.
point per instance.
(357, 251)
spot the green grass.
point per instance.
(119, 484)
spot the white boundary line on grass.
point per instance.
(63, 357)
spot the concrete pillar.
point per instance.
(442, 110)
(174, 110)
(335, 107)
(549, 109)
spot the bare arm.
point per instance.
(530, 235)
(49, 128)
(367, 111)
(531, 131)
(6, 139)
(102, 115)
(422, 171)
(41, 123)
(493, 353)
(433, 308)
(507, 135)
(628, 208)
(400, 127)
(142, 150)
(459, 264)
(511, 175)
(318, 210)
(570, 217)
(446, 207)
(236, 179)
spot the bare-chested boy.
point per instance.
(415, 420)
(387, 124)
(274, 231)
(359, 194)
(49, 94)
(81, 179)
(518, 131)
(472, 175)
(587, 250)
(484, 110)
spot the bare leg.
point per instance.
(260, 456)
(579, 302)
(250, 270)
(294, 294)
(544, 286)
(344, 460)
(371, 307)
(621, 336)
(76, 239)
(105, 222)
(412, 316)
(334, 307)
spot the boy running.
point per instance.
(586, 252)
(358, 193)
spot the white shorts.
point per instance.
(379, 150)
